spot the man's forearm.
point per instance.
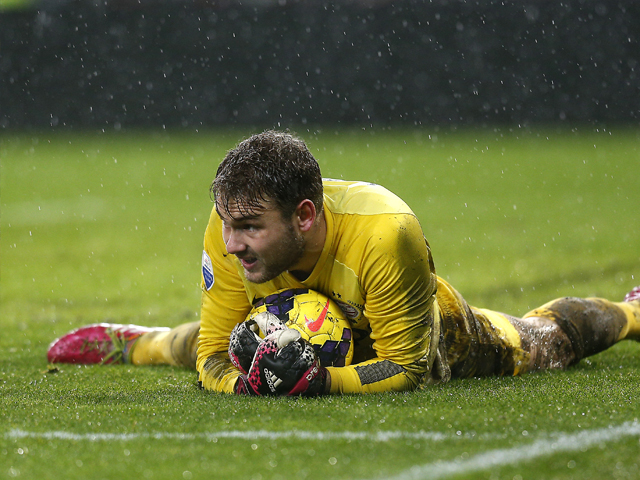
(218, 373)
(372, 376)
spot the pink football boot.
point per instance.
(634, 294)
(97, 343)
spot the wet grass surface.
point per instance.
(109, 227)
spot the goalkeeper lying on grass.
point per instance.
(276, 224)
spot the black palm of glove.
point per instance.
(284, 364)
(243, 344)
(244, 339)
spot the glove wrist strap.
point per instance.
(312, 382)
(243, 387)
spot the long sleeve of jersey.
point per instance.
(224, 304)
(397, 278)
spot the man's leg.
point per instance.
(482, 342)
(177, 347)
(114, 343)
(591, 325)
(479, 342)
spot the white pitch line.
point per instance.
(383, 436)
(510, 456)
(556, 443)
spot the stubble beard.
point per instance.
(289, 253)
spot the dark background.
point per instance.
(153, 63)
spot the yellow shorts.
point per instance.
(478, 342)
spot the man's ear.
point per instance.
(305, 215)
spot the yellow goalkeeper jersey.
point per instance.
(376, 264)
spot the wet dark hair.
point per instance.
(270, 166)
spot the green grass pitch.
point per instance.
(109, 226)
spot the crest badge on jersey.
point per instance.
(207, 271)
(351, 312)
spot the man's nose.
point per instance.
(234, 242)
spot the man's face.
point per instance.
(265, 243)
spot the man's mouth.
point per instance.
(248, 263)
